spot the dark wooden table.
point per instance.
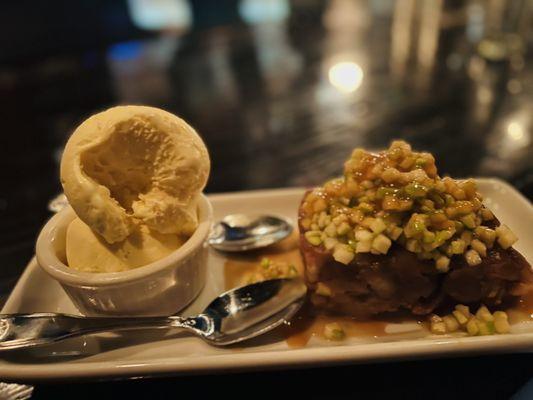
(281, 93)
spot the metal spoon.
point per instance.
(241, 232)
(233, 317)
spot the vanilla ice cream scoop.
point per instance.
(87, 251)
(132, 165)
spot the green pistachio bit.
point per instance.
(442, 236)
(479, 246)
(472, 257)
(394, 232)
(363, 235)
(451, 323)
(329, 243)
(469, 220)
(378, 225)
(366, 207)
(323, 289)
(438, 328)
(506, 237)
(458, 246)
(313, 237)
(363, 246)
(343, 228)
(383, 191)
(484, 314)
(381, 244)
(413, 246)
(485, 328)
(343, 253)
(292, 271)
(442, 264)
(465, 310)
(501, 323)
(420, 162)
(472, 327)
(437, 199)
(334, 331)
(487, 214)
(429, 237)
(460, 317)
(415, 190)
(449, 200)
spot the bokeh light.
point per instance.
(346, 76)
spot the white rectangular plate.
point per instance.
(148, 353)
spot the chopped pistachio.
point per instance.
(292, 271)
(469, 220)
(378, 225)
(329, 243)
(506, 237)
(460, 317)
(363, 246)
(343, 229)
(485, 328)
(472, 327)
(486, 214)
(479, 246)
(334, 331)
(313, 237)
(331, 230)
(472, 257)
(451, 323)
(442, 263)
(428, 237)
(501, 323)
(484, 314)
(394, 231)
(438, 328)
(458, 246)
(323, 290)
(381, 243)
(415, 190)
(343, 253)
(487, 235)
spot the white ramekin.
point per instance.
(160, 288)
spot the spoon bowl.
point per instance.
(233, 317)
(243, 232)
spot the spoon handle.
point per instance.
(28, 330)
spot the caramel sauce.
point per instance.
(522, 311)
(237, 267)
(305, 326)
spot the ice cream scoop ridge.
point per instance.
(135, 165)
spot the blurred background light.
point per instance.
(125, 51)
(515, 134)
(158, 15)
(346, 76)
(515, 131)
(258, 11)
